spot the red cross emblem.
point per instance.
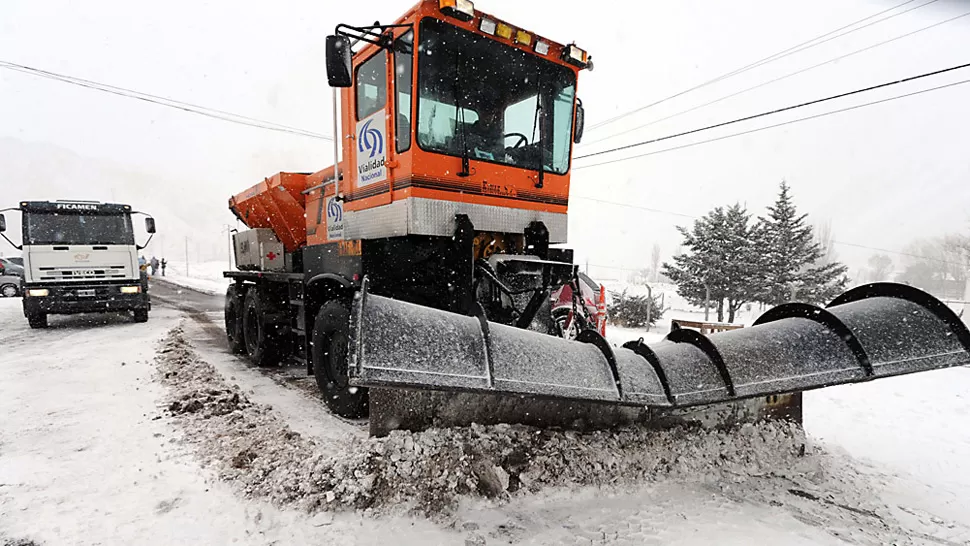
(271, 255)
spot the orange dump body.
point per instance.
(277, 203)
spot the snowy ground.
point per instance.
(91, 454)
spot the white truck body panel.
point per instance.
(258, 249)
(80, 263)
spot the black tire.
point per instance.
(234, 326)
(331, 336)
(141, 315)
(262, 346)
(579, 324)
(37, 320)
(9, 290)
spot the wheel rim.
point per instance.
(337, 359)
(251, 325)
(9, 291)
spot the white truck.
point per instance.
(80, 257)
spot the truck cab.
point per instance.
(449, 111)
(80, 257)
(453, 132)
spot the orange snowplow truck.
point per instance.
(413, 278)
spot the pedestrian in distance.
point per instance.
(154, 265)
(164, 263)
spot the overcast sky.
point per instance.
(881, 175)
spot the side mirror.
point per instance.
(3, 224)
(580, 122)
(339, 62)
(150, 225)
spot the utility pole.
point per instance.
(229, 230)
(649, 305)
(186, 256)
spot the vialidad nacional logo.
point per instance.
(371, 149)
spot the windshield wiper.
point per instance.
(460, 119)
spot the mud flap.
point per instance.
(877, 330)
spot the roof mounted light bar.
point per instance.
(463, 10)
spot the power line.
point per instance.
(778, 79)
(778, 110)
(163, 101)
(917, 256)
(771, 58)
(758, 129)
(595, 200)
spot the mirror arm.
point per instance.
(368, 34)
(144, 246)
(18, 247)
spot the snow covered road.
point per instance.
(86, 456)
(89, 456)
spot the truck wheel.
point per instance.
(141, 315)
(262, 347)
(37, 320)
(9, 291)
(331, 337)
(234, 326)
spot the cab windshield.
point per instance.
(499, 103)
(51, 228)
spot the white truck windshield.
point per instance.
(52, 228)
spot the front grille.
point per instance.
(82, 274)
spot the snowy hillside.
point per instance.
(183, 207)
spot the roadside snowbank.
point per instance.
(203, 277)
(434, 472)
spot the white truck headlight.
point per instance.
(38, 292)
(131, 290)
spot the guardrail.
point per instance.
(703, 326)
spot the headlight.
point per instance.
(38, 292)
(576, 56)
(488, 26)
(131, 290)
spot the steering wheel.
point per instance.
(523, 140)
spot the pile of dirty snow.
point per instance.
(431, 472)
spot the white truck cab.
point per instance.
(80, 257)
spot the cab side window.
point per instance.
(372, 85)
(403, 58)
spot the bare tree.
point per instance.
(655, 261)
(938, 265)
(880, 267)
(826, 241)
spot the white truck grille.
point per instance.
(82, 273)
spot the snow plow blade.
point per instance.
(873, 331)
